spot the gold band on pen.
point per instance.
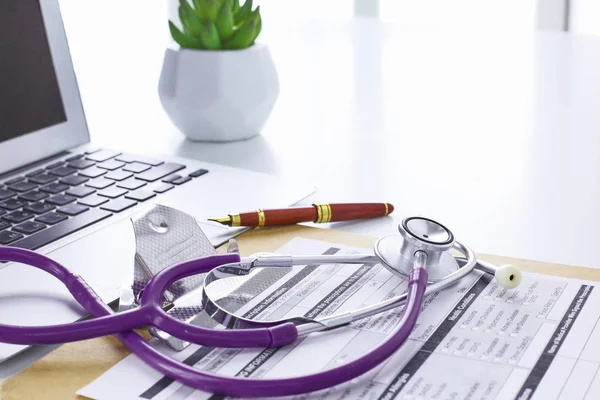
(387, 210)
(261, 217)
(235, 219)
(319, 213)
(323, 213)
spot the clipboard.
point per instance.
(61, 373)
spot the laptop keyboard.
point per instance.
(52, 202)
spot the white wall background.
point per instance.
(585, 17)
(415, 13)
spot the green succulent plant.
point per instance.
(216, 24)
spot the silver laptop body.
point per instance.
(53, 197)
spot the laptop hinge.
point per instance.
(27, 167)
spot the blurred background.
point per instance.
(118, 48)
(385, 63)
(574, 16)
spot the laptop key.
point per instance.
(51, 218)
(198, 173)
(74, 180)
(171, 178)
(34, 173)
(2, 211)
(17, 216)
(93, 200)
(7, 237)
(182, 180)
(4, 225)
(29, 227)
(12, 204)
(39, 208)
(92, 172)
(73, 209)
(136, 167)
(43, 179)
(61, 199)
(159, 172)
(140, 195)
(34, 196)
(102, 155)
(22, 186)
(61, 230)
(163, 187)
(111, 165)
(131, 184)
(54, 165)
(5, 194)
(100, 183)
(63, 171)
(54, 188)
(81, 164)
(118, 175)
(81, 191)
(75, 157)
(131, 158)
(14, 180)
(128, 158)
(118, 205)
(112, 192)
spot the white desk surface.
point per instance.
(495, 134)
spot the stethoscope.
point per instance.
(420, 254)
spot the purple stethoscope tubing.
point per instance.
(150, 313)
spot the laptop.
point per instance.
(73, 202)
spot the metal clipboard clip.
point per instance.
(165, 236)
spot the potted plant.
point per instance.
(220, 84)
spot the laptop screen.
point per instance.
(30, 97)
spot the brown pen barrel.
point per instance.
(287, 216)
(351, 211)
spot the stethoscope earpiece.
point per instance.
(508, 276)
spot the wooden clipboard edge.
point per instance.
(61, 373)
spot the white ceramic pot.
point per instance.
(219, 96)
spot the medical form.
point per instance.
(474, 340)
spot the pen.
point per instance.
(317, 213)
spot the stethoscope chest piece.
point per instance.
(397, 252)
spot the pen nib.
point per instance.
(222, 220)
